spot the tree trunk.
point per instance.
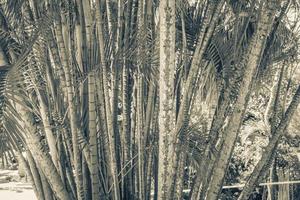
(262, 165)
(250, 61)
(42, 157)
(166, 81)
(110, 126)
(36, 176)
(93, 137)
(72, 112)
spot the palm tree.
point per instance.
(102, 95)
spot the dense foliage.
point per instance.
(151, 99)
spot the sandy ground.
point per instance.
(12, 188)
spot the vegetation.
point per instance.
(150, 99)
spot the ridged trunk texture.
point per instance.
(93, 137)
(110, 125)
(48, 194)
(72, 111)
(42, 157)
(166, 89)
(249, 63)
(35, 175)
(206, 32)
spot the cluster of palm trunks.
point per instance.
(108, 99)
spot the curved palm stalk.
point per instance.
(42, 157)
(46, 187)
(35, 175)
(31, 171)
(209, 157)
(250, 61)
(40, 152)
(272, 37)
(37, 187)
(218, 122)
(275, 96)
(60, 139)
(48, 129)
(58, 186)
(45, 112)
(263, 164)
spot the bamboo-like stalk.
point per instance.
(45, 162)
(133, 151)
(99, 54)
(62, 158)
(46, 187)
(166, 110)
(125, 128)
(29, 176)
(93, 136)
(57, 63)
(109, 15)
(103, 145)
(251, 61)
(48, 130)
(110, 126)
(35, 176)
(262, 166)
(125, 135)
(205, 34)
(140, 137)
(87, 182)
(72, 112)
